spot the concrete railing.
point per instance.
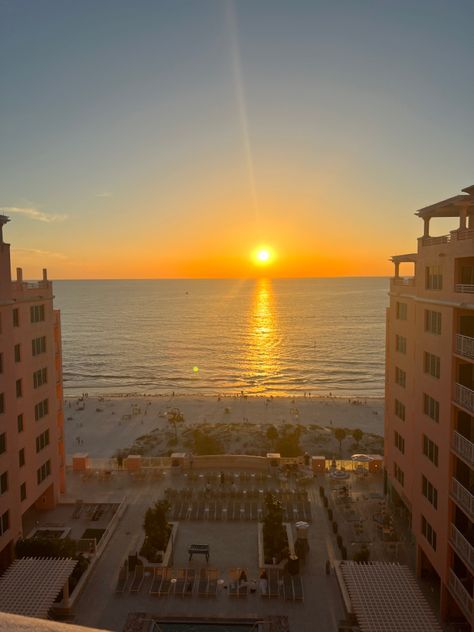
(465, 346)
(463, 447)
(463, 548)
(464, 396)
(462, 233)
(463, 496)
(433, 241)
(406, 281)
(461, 595)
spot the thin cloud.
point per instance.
(41, 253)
(33, 213)
(104, 194)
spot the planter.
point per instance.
(261, 555)
(167, 554)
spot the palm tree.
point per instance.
(357, 435)
(175, 416)
(340, 434)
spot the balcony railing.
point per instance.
(464, 397)
(462, 233)
(433, 241)
(465, 288)
(465, 346)
(463, 548)
(463, 447)
(463, 496)
(406, 281)
(461, 595)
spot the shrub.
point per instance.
(325, 501)
(321, 491)
(329, 513)
(339, 540)
(156, 526)
(362, 555)
(334, 526)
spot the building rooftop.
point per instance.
(450, 207)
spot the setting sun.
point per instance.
(263, 255)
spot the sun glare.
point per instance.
(263, 255)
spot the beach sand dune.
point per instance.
(102, 425)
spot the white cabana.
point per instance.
(31, 584)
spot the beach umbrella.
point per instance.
(361, 458)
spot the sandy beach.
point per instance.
(102, 425)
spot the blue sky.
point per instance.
(170, 135)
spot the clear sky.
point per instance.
(169, 138)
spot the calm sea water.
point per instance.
(215, 336)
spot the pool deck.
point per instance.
(233, 544)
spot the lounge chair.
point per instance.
(122, 578)
(273, 584)
(137, 578)
(189, 584)
(233, 582)
(180, 582)
(156, 581)
(212, 576)
(243, 589)
(165, 585)
(298, 588)
(203, 582)
(287, 587)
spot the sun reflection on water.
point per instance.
(262, 361)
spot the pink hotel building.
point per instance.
(32, 465)
(429, 416)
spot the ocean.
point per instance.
(265, 337)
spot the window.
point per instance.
(430, 450)
(429, 492)
(37, 313)
(3, 442)
(400, 410)
(400, 377)
(399, 442)
(40, 377)
(401, 311)
(23, 491)
(19, 388)
(4, 523)
(38, 345)
(429, 533)
(3, 483)
(43, 472)
(401, 344)
(434, 278)
(432, 364)
(18, 353)
(16, 317)
(431, 407)
(21, 457)
(2, 403)
(399, 474)
(41, 409)
(433, 322)
(19, 423)
(42, 441)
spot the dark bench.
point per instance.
(200, 549)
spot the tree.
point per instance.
(274, 534)
(340, 434)
(272, 434)
(156, 526)
(175, 416)
(357, 434)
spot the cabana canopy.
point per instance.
(31, 584)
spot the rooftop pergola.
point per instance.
(30, 585)
(461, 206)
(385, 598)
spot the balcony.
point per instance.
(463, 548)
(461, 595)
(463, 496)
(464, 288)
(464, 397)
(463, 447)
(435, 241)
(464, 346)
(404, 281)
